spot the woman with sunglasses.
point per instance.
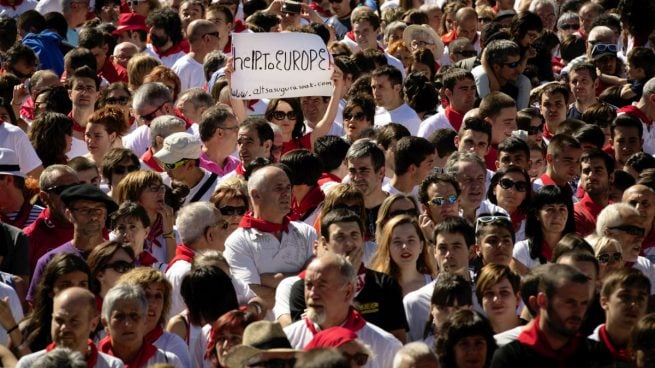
(104, 131)
(232, 202)
(147, 189)
(549, 217)
(511, 190)
(404, 254)
(358, 115)
(609, 253)
(531, 120)
(392, 206)
(117, 94)
(108, 261)
(115, 165)
(345, 341)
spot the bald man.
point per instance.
(123, 52)
(203, 38)
(74, 318)
(642, 198)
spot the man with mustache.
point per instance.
(552, 338)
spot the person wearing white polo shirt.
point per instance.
(387, 86)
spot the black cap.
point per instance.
(90, 193)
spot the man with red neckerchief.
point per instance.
(624, 297)
(268, 246)
(330, 288)
(167, 42)
(562, 164)
(644, 110)
(596, 174)
(552, 339)
(74, 318)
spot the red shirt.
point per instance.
(113, 72)
(491, 157)
(585, 214)
(45, 234)
(304, 142)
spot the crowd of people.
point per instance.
(477, 191)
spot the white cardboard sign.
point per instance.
(277, 65)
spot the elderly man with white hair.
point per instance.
(160, 128)
(123, 52)
(267, 246)
(622, 222)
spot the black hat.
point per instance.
(90, 193)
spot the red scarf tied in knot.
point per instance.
(249, 222)
(354, 322)
(146, 352)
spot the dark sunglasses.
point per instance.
(280, 115)
(569, 26)
(58, 189)
(359, 358)
(117, 100)
(630, 229)
(120, 169)
(506, 183)
(533, 130)
(335, 1)
(120, 266)
(440, 201)
(466, 53)
(232, 210)
(513, 65)
(410, 212)
(149, 117)
(357, 116)
(607, 257)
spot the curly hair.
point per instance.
(48, 137)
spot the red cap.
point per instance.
(331, 338)
(131, 22)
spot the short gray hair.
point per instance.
(61, 358)
(393, 27)
(565, 17)
(51, 173)
(412, 354)
(194, 218)
(452, 165)
(198, 97)
(151, 94)
(535, 3)
(164, 126)
(601, 33)
(612, 216)
(120, 293)
(649, 88)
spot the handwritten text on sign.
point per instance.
(274, 65)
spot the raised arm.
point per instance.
(325, 124)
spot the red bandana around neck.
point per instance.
(634, 111)
(313, 198)
(146, 259)
(328, 177)
(156, 230)
(249, 222)
(146, 352)
(76, 126)
(173, 50)
(620, 354)
(454, 118)
(534, 337)
(182, 253)
(91, 356)
(5, 3)
(239, 170)
(354, 322)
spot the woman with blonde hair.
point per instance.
(404, 254)
(609, 254)
(138, 67)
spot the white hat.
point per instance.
(179, 146)
(409, 32)
(9, 164)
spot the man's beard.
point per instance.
(558, 325)
(315, 315)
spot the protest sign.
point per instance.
(276, 65)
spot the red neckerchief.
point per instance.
(361, 279)
(621, 354)
(91, 356)
(546, 251)
(310, 201)
(320, 10)
(517, 217)
(491, 157)
(149, 159)
(146, 259)
(27, 109)
(156, 230)
(5, 3)
(228, 46)
(179, 114)
(249, 222)
(239, 26)
(354, 322)
(327, 177)
(546, 133)
(182, 253)
(449, 37)
(76, 126)
(21, 218)
(454, 118)
(173, 50)
(154, 334)
(633, 110)
(629, 264)
(113, 72)
(251, 104)
(239, 170)
(146, 352)
(534, 337)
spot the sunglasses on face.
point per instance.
(412, 212)
(175, 165)
(232, 210)
(506, 183)
(630, 229)
(358, 358)
(512, 65)
(357, 116)
(466, 53)
(120, 266)
(280, 115)
(120, 169)
(58, 189)
(117, 100)
(335, 1)
(440, 201)
(607, 257)
(533, 130)
(570, 27)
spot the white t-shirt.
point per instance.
(9, 12)
(251, 252)
(434, 123)
(14, 138)
(383, 344)
(172, 343)
(16, 309)
(169, 60)
(191, 73)
(645, 266)
(78, 148)
(282, 295)
(139, 140)
(208, 193)
(403, 115)
(521, 253)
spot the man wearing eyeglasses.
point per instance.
(596, 174)
(203, 38)
(87, 208)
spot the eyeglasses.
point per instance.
(410, 212)
(84, 89)
(466, 53)
(151, 116)
(120, 266)
(233, 210)
(533, 130)
(58, 189)
(357, 116)
(117, 100)
(154, 188)
(280, 115)
(488, 220)
(569, 26)
(215, 34)
(175, 165)
(440, 201)
(359, 358)
(607, 257)
(87, 212)
(630, 229)
(120, 169)
(512, 65)
(520, 186)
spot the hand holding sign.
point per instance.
(274, 65)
